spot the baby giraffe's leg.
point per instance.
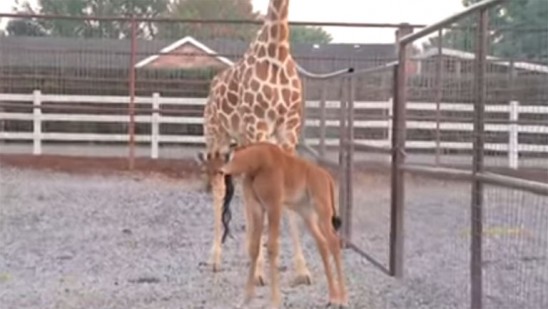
(259, 272)
(335, 248)
(274, 218)
(254, 226)
(218, 188)
(288, 136)
(302, 273)
(251, 203)
(321, 242)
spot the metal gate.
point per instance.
(479, 145)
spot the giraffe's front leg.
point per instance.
(303, 275)
(218, 188)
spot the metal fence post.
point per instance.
(513, 136)
(37, 122)
(389, 125)
(342, 156)
(302, 136)
(397, 200)
(478, 164)
(155, 126)
(131, 127)
(349, 149)
(323, 112)
(439, 95)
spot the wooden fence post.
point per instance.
(155, 126)
(37, 122)
(513, 136)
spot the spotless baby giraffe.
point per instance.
(273, 180)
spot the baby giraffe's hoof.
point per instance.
(301, 279)
(243, 305)
(214, 267)
(259, 280)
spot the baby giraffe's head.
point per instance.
(211, 164)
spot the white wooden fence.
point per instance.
(512, 147)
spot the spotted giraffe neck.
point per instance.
(275, 29)
(278, 11)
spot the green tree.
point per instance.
(210, 9)
(518, 29)
(95, 8)
(304, 34)
(227, 10)
(526, 33)
(24, 27)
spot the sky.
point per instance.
(359, 11)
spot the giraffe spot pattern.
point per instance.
(264, 99)
(255, 85)
(261, 70)
(248, 98)
(235, 121)
(274, 32)
(272, 49)
(259, 111)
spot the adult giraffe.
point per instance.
(257, 99)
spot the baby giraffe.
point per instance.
(273, 179)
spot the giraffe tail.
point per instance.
(336, 220)
(227, 213)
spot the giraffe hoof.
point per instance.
(302, 279)
(333, 305)
(259, 280)
(243, 305)
(215, 267)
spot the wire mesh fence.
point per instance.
(484, 124)
(515, 103)
(141, 57)
(515, 246)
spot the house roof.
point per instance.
(77, 53)
(179, 43)
(431, 52)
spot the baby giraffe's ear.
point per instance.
(200, 157)
(228, 156)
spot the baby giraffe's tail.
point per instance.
(335, 220)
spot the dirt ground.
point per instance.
(87, 233)
(187, 168)
(172, 168)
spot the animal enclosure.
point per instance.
(441, 153)
(477, 244)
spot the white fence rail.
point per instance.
(512, 147)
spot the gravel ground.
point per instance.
(119, 241)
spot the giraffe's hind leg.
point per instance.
(287, 137)
(302, 274)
